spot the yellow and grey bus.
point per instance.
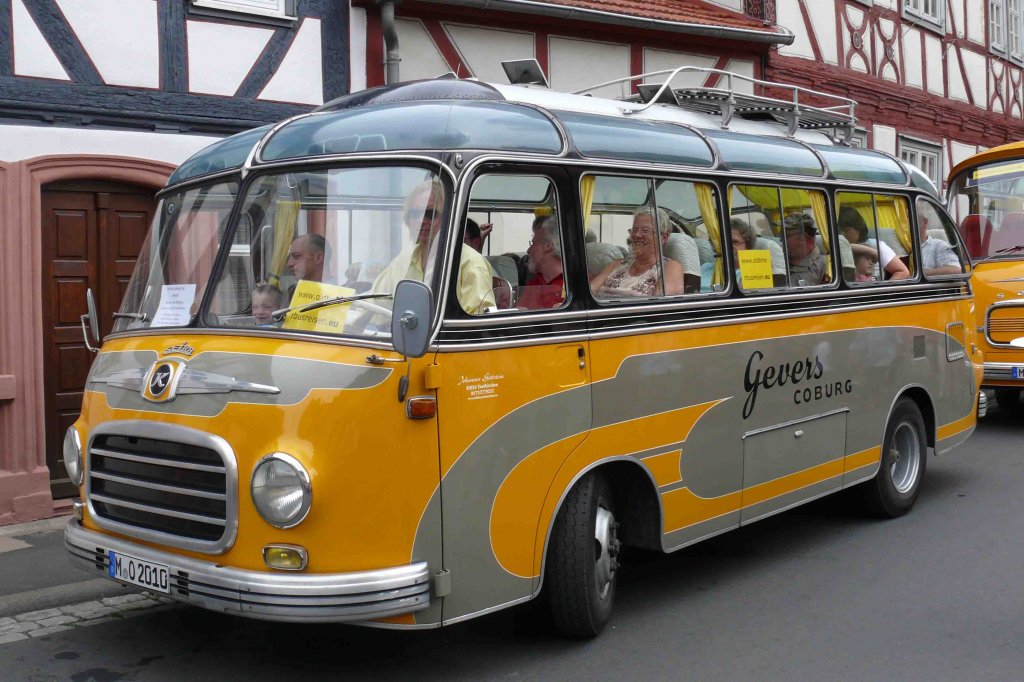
(439, 348)
(986, 197)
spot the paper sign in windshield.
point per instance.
(175, 309)
(756, 269)
(327, 319)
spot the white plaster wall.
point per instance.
(120, 37)
(960, 151)
(18, 143)
(221, 55)
(956, 18)
(743, 67)
(576, 64)
(356, 49)
(787, 14)
(420, 58)
(300, 77)
(657, 60)
(913, 72)
(974, 21)
(998, 69)
(956, 84)
(735, 5)
(975, 65)
(884, 138)
(823, 19)
(483, 49)
(933, 61)
(32, 54)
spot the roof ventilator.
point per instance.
(727, 102)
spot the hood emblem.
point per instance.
(182, 348)
(161, 382)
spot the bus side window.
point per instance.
(514, 229)
(941, 249)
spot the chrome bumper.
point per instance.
(982, 404)
(301, 597)
(1001, 371)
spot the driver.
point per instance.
(423, 211)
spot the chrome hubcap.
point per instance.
(905, 457)
(606, 551)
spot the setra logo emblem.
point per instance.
(162, 381)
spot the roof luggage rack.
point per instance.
(727, 102)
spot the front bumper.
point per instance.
(1001, 372)
(300, 597)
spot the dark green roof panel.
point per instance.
(223, 155)
(608, 137)
(421, 125)
(764, 154)
(848, 163)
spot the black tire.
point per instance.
(582, 561)
(894, 489)
(1007, 398)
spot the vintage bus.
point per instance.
(986, 197)
(438, 348)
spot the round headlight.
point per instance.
(73, 455)
(281, 490)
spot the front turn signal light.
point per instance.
(421, 407)
(285, 557)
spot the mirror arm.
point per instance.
(85, 335)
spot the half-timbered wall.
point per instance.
(116, 93)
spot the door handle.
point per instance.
(583, 357)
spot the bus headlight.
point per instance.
(281, 490)
(73, 455)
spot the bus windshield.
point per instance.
(176, 260)
(328, 235)
(987, 202)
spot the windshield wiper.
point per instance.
(278, 315)
(1003, 251)
(141, 317)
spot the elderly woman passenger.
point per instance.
(646, 272)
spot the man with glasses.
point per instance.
(546, 286)
(423, 213)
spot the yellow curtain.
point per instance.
(587, 195)
(820, 211)
(284, 229)
(706, 203)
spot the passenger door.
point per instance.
(513, 384)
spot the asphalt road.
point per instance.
(816, 593)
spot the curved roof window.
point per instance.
(847, 163)
(225, 154)
(765, 154)
(635, 140)
(418, 125)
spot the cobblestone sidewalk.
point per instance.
(49, 621)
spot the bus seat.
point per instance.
(1010, 233)
(502, 291)
(600, 254)
(888, 235)
(504, 267)
(682, 248)
(976, 230)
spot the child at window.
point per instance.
(266, 298)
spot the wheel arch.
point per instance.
(924, 403)
(640, 522)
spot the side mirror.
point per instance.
(94, 322)
(410, 318)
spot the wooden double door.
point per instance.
(92, 232)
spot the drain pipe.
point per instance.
(391, 58)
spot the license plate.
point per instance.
(138, 572)
(1018, 372)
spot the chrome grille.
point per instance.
(1005, 323)
(164, 483)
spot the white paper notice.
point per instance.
(175, 305)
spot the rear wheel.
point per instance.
(582, 562)
(1007, 398)
(894, 489)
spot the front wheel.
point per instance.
(582, 561)
(895, 487)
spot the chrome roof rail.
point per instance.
(837, 114)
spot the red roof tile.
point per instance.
(676, 11)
